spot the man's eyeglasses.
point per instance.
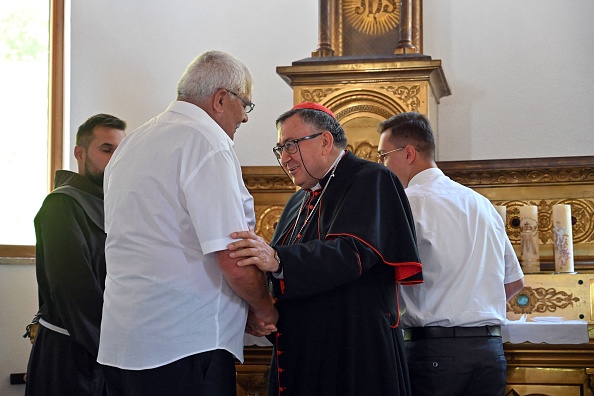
(247, 105)
(381, 157)
(291, 146)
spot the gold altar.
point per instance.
(543, 369)
(366, 73)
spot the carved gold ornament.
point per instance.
(408, 95)
(540, 300)
(266, 221)
(316, 95)
(582, 211)
(373, 17)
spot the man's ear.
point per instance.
(79, 152)
(411, 153)
(217, 100)
(327, 141)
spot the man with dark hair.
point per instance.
(70, 265)
(85, 136)
(452, 321)
(341, 244)
(176, 304)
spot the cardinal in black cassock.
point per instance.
(343, 243)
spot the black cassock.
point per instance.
(70, 265)
(338, 306)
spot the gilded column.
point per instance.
(324, 46)
(405, 45)
(417, 25)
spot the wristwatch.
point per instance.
(278, 260)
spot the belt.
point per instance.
(53, 327)
(422, 333)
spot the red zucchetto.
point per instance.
(314, 106)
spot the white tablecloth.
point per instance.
(548, 332)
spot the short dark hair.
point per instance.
(320, 120)
(85, 131)
(410, 128)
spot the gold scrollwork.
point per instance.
(407, 95)
(267, 221)
(316, 95)
(364, 150)
(373, 17)
(581, 209)
(363, 108)
(540, 300)
(254, 183)
(486, 177)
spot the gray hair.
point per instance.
(320, 120)
(211, 71)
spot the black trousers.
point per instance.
(468, 366)
(204, 374)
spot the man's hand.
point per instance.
(257, 327)
(252, 250)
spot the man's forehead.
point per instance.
(106, 135)
(293, 128)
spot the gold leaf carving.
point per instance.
(581, 209)
(266, 222)
(363, 108)
(316, 95)
(540, 300)
(254, 183)
(487, 177)
(373, 17)
(407, 95)
(364, 150)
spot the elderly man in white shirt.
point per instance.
(452, 321)
(176, 304)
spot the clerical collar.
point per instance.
(332, 167)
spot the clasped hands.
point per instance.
(252, 249)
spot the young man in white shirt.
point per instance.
(452, 321)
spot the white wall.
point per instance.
(18, 304)
(128, 56)
(520, 71)
(520, 74)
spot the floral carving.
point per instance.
(487, 177)
(407, 95)
(268, 183)
(266, 222)
(540, 300)
(582, 210)
(316, 95)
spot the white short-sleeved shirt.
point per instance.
(173, 194)
(466, 255)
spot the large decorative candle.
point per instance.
(529, 237)
(563, 238)
(502, 212)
